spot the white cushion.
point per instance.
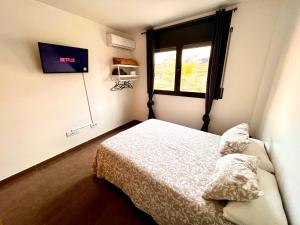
(234, 178)
(256, 148)
(235, 140)
(266, 210)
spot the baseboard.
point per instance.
(65, 153)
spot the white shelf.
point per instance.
(124, 77)
(128, 69)
(122, 65)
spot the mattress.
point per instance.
(164, 168)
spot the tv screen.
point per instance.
(63, 59)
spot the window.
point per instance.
(194, 68)
(192, 75)
(182, 57)
(164, 70)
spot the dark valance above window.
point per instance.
(192, 32)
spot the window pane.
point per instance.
(194, 69)
(164, 70)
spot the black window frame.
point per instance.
(179, 47)
(178, 67)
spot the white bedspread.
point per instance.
(164, 169)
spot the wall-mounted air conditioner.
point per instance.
(120, 42)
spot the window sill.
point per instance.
(186, 94)
(182, 94)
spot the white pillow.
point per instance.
(235, 140)
(266, 210)
(234, 178)
(256, 148)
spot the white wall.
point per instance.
(254, 24)
(281, 36)
(37, 109)
(280, 122)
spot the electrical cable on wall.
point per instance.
(87, 99)
(91, 124)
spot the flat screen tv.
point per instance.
(63, 59)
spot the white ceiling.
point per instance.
(129, 15)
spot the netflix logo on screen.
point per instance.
(67, 60)
(63, 59)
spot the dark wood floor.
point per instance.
(64, 191)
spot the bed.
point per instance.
(164, 168)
